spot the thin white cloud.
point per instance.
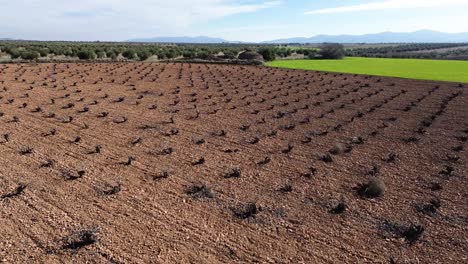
(389, 4)
(229, 9)
(115, 19)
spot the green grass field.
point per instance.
(439, 70)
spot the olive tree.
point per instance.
(333, 51)
(268, 54)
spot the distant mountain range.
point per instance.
(384, 37)
(427, 36)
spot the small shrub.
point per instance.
(120, 120)
(391, 158)
(164, 152)
(339, 208)
(288, 149)
(372, 189)
(249, 210)
(199, 191)
(413, 233)
(337, 149)
(26, 151)
(15, 119)
(435, 186)
(252, 140)
(357, 140)
(264, 161)
(17, 191)
(374, 170)
(47, 164)
(327, 158)
(162, 175)
(80, 239)
(448, 171)
(76, 140)
(286, 188)
(136, 141)
(69, 176)
(102, 114)
(6, 137)
(219, 133)
(429, 208)
(198, 161)
(410, 233)
(458, 148)
(232, 173)
(411, 139)
(112, 189)
(129, 161)
(311, 171)
(96, 150)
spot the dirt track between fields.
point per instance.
(158, 163)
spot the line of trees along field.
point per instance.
(416, 51)
(33, 50)
(140, 51)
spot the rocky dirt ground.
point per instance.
(198, 163)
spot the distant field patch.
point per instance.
(438, 70)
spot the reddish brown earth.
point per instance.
(210, 142)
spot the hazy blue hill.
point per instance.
(384, 37)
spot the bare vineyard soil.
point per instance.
(195, 163)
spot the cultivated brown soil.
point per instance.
(195, 163)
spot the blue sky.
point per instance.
(245, 20)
